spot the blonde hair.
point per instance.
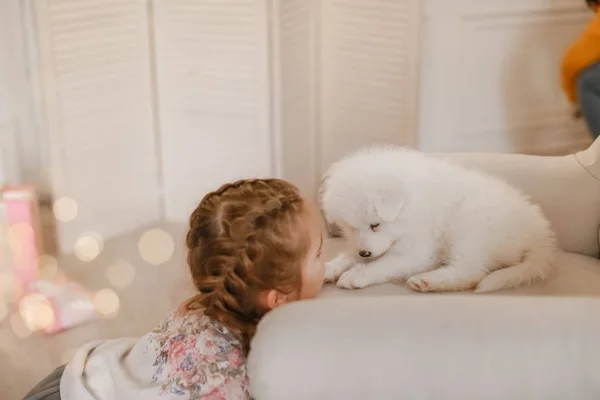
(245, 238)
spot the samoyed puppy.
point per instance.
(439, 226)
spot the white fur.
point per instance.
(442, 227)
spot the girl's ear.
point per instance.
(271, 299)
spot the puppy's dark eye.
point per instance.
(374, 226)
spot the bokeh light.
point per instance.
(36, 311)
(18, 326)
(156, 246)
(120, 274)
(88, 246)
(19, 231)
(18, 236)
(48, 288)
(65, 209)
(47, 266)
(106, 302)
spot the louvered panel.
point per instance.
(95, 60)
(295, 66)
(212, 65)
(369, 78)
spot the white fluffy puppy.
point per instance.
(440, 226)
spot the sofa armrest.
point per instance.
(429, 347)
(567, 188)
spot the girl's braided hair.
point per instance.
(245, 238)
(593, 4)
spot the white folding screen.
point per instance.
(295, 72)
(212, 59)
(20, 155)
(369, 79)
(96, 70)
(152, 103)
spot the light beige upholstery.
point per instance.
(567, 188)
(429, 347)
(387, 342)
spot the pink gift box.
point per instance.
(70, 302)
(24, 231)
(63, 302)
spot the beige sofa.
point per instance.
(387, 342)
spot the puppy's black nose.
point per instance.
(364, 253)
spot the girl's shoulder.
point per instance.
(192, 322)
(197, 355)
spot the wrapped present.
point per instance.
(47, 303)
(53, 305)
(21, 213)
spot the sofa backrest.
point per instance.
(567, 188)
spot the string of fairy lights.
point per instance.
(34, 311)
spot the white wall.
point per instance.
(490, 75)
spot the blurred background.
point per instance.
(119, 115)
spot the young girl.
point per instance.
(581, 72)
(253, 245)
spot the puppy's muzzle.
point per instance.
(364, 253)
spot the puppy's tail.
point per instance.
(536, 266)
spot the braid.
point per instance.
(243, 239)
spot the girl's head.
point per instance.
(253, 245)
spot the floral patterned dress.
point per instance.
(188, 356)
(197, 357)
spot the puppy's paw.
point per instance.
(355, 278)
(419, 284)
(447, 279)
(336, 268)
(332, 271)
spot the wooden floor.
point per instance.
(154, 292)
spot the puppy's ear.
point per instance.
(387, 206)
